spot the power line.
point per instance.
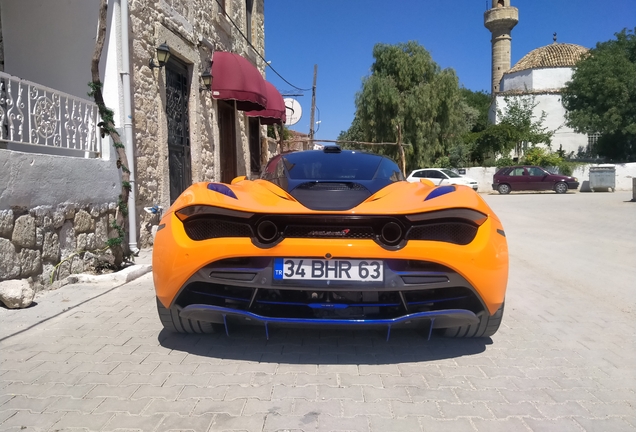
(255, 50)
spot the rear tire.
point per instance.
(172, 322)
(487, 326)
(503, 189)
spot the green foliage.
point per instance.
(601, 97)
(409, 91)
(541, 157)
(284, 130)
(504, 162)
(519, 115)
(478, 102)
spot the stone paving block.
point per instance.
(442, 425)
(398, 381)
(176, 379)
(532, 395)
(425, 370)
(224, 422)
(313, 380)
(229, 379)
(120, 391)
(386, 369)
(349, 393)
(347, 380)
(150, 391)
(615, 395)
(5, 414)
(415, 409)
(337, 369)
(269, 368)
(520, 409)
(25, 419)
(308, 369)
(28, 390)
(499, 425)
(245, 392)
(410, 424)
(62, 367)
(97, 378)
(576, 394)
(473, 409)
(352, 408)
(84, 406)
(560, 425)
(118, 349)
(340, 424)
(174, 422)
(91, 422)
(85, 368)
(194, 392)
(16, 376)
(567, 409)
(209, 406)
(484, 395)
(172, 368)
(616, 408)
(35, 405)
(603, 425)
(217, 368)
(161, 406)
(130, 406)
(423, 394)
(285, 392)
(372, 394)
(332, 407)
(261, 379)
(137, 422)
(154, 379)
(280, 406)
(277, 423)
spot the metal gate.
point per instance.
(179, 160)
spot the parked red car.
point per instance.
(526, 177)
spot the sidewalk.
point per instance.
(80, 289)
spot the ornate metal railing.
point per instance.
(39, 119)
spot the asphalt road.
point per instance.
(93, 357)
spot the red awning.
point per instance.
(235, 78)
(275, 111)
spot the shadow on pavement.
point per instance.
(320, 346)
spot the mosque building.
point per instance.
(541, 73)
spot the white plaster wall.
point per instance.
(624, 175)
(521, 80)
(31, 180)
(50, 42)
(550, 78)
(554, 121)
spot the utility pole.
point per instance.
(313, 108)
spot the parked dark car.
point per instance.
(527, 177)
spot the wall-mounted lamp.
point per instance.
(206, 77)
(163, 54)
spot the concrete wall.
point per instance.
(624, 175)
(30, 180)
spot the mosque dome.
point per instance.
(551, 56)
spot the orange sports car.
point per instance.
(331, 237)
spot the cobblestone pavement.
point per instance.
(93, 357)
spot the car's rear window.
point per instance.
(347, 165)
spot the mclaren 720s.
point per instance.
(331, 238)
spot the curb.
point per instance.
(121, 277)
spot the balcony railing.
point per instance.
(38, 119)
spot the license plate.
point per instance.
(328, 270)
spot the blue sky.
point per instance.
(339, 35)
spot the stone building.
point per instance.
(59, 181)
(541, 74)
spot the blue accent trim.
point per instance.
(222, 189)
(439, 191)
(196, 309)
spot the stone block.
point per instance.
(67, 209)
(51, 247)
(83, 222)
(43, 216)
(30, 262)
(6, 223)
(67, 238)
(24, 232)
(16, 293)
(9, 260)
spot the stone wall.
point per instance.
(48, 243)
(193, 29)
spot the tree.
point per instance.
(519, 115)
(601, 97)
(408, 99)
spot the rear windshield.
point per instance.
(347, 165)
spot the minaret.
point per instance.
(500, 20)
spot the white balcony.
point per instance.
(38, 119)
